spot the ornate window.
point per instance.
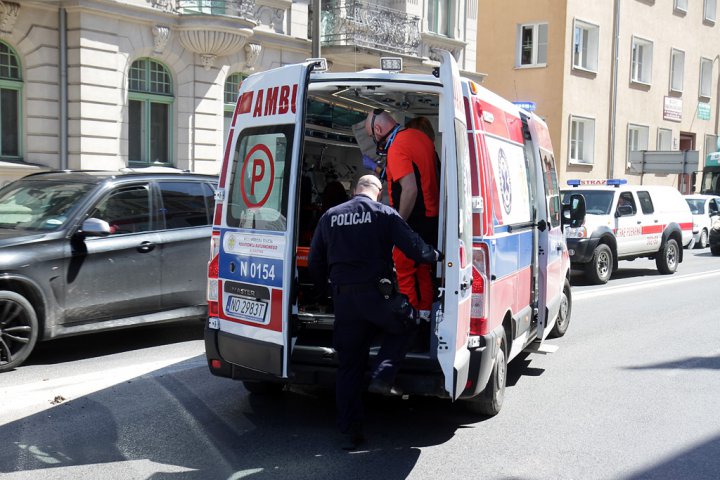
(10, 105)
(150, 101)
(232, 85)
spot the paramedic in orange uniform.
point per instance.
(414, 192)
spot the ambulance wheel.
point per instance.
(703, 242)
(490, 400)
(563, 316)
(667, 258)
(600, 267)
(18, 330)
(263, 388)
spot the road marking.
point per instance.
(123, 469)
(605, 290)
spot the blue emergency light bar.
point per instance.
(616, 181)
(527, 106)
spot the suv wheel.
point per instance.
(703, 242)
(667, 258)
(599, 269)
(18, 330)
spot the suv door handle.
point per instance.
(146, 247)
(639, 222)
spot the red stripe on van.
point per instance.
(650, 229)
(686, 226)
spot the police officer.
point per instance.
(353, 246)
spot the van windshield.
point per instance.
(39, 204)
(258, 197)
(597, 202)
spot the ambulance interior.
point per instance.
(335, 142)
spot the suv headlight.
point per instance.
(580, 232)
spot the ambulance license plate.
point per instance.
(246, 309)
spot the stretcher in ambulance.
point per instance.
(295, 148)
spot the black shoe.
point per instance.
(383, 388)
(353, 439)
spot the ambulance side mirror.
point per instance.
(573, 212)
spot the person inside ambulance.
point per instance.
(353, 246)
(413, 184)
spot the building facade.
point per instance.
(610, 77)
(107, 84)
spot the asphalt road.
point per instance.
(632, 393)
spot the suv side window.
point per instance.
(127, 210)
(626, 199)
(713, 207)
(646, 202)
(186, 204)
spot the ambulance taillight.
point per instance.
(479, 299)
(213, 275)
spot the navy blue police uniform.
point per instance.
(353, 245)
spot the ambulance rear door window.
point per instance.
(258, 197)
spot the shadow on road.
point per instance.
(691, 363)
(108, 343)
(577, 277)
(694, 463)
(181, 422)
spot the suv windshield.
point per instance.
(38, 204)
(597, 202)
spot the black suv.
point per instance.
(88, 251)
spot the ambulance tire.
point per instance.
(563, 316)
(263, 388)
(490, 400)
(19, 332)
(667, 258)
(599, 269)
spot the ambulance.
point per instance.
(295, 148)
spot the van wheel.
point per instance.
(667, 258)
(18, 330)
(703, 242)
(490, 400)
(563, 317)
(599, 269)
(263, 388)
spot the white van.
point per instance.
(625, 222)
(295, 148)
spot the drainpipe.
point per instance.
(613, 90)
(63, 115)
(315, 29)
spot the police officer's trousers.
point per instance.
(360, 314)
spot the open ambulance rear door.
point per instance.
(453, 319)
(256, 244)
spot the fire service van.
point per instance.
(295, 148)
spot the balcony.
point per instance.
(352, 23)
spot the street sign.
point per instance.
(642, 161)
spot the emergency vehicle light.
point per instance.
(573, 183)
(391, 64)
(616, 181)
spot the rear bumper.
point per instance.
(419, 374)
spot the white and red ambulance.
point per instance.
(295, 148)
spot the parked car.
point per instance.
(625, 222)
(89, 251)
(703, 208)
